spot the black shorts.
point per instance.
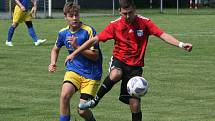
(127, 73)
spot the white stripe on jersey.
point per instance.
(110, 64)
(142, 17)
(115, 20)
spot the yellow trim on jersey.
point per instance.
(19, 16)
(85, 27)
(64, 29)
(83, 84)
(89, 29)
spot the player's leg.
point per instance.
(67, 91)
(133, 102)
(109, 82)
(31, 31)
(88, 90)
(70, 86)
(86, 114)
(17, 18)
(11, 31)
(10, 34)
(113, 77)
(135, 106)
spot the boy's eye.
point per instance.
(73, 15)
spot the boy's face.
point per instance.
(73, 19)
(128, 14)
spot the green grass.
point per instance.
(181, 84)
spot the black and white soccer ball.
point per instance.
(137, 86)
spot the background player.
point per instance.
(21, 13)
(85, 71)
(131, 33)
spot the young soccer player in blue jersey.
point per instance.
(22, 14)
(83, 74)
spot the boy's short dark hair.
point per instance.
(126, 4)
(71, 7)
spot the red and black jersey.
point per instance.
(130, 39)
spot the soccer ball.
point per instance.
(137, 86)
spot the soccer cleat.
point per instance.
(39, 41)
(89, 104)
(10, 44)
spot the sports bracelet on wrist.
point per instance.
(180, 44)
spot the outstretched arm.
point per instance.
(171, 40)
(83, 47)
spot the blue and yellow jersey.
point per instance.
(80, 64)
(25, 3)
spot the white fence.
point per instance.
(45, 9)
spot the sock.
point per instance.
(64, 118)
(137, 116)
(10, 33)
(32, 33)
(105, 88)
(91, 119)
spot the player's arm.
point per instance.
(172, 40)
(89, 43)
(20, 5)
(154, 30)
(90, 53)
(54, 56)
(34, 8)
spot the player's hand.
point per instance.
(52, 67)
(187, 46)
(72, 41)
(69, 58)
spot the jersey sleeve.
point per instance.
(153, 29)
(92, 33)
(107, 33)
(59, 42)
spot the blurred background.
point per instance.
(53, 8)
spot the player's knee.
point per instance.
(82, 113)
(14, 25)
(115, 74)
(65, 97)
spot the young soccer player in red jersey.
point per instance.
(131, 33)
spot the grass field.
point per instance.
(182, 84)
